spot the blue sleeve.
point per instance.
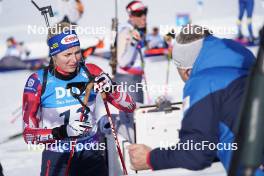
(200, 123)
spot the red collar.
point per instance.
(58, 69)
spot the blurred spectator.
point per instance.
(154, 40)
(16, 49)
(70, 11)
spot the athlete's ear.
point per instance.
(184, 73)
(188, 72)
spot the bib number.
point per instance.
(66, 115)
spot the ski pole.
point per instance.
(147, 92)
(113, 47)
(114, 133)
(167, 77)
(144, 75)
(12, 137)
(16, 114)
(15, 118)
(169, 36)
(16, 110)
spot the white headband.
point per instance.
(138, 5)
(184, 55)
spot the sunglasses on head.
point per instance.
(139, 13)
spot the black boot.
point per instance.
(252, 41)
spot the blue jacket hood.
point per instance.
(223, 53)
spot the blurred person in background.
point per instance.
(154, 39)
(70, 11)
(130, 45)
(248, 7)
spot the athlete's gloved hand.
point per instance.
(104, 125)
(135, 37)
(103, 83)
(76, 128)
(73, 129)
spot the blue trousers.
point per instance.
(248, 6)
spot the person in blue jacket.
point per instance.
(246, 6)
(214, 71)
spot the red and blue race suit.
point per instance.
(56, 107)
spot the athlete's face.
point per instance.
(139, 21)
(68, 59)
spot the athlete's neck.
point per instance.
(59, 73)
(58, 69)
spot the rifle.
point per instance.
(113, 48)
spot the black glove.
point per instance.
(73, 129)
